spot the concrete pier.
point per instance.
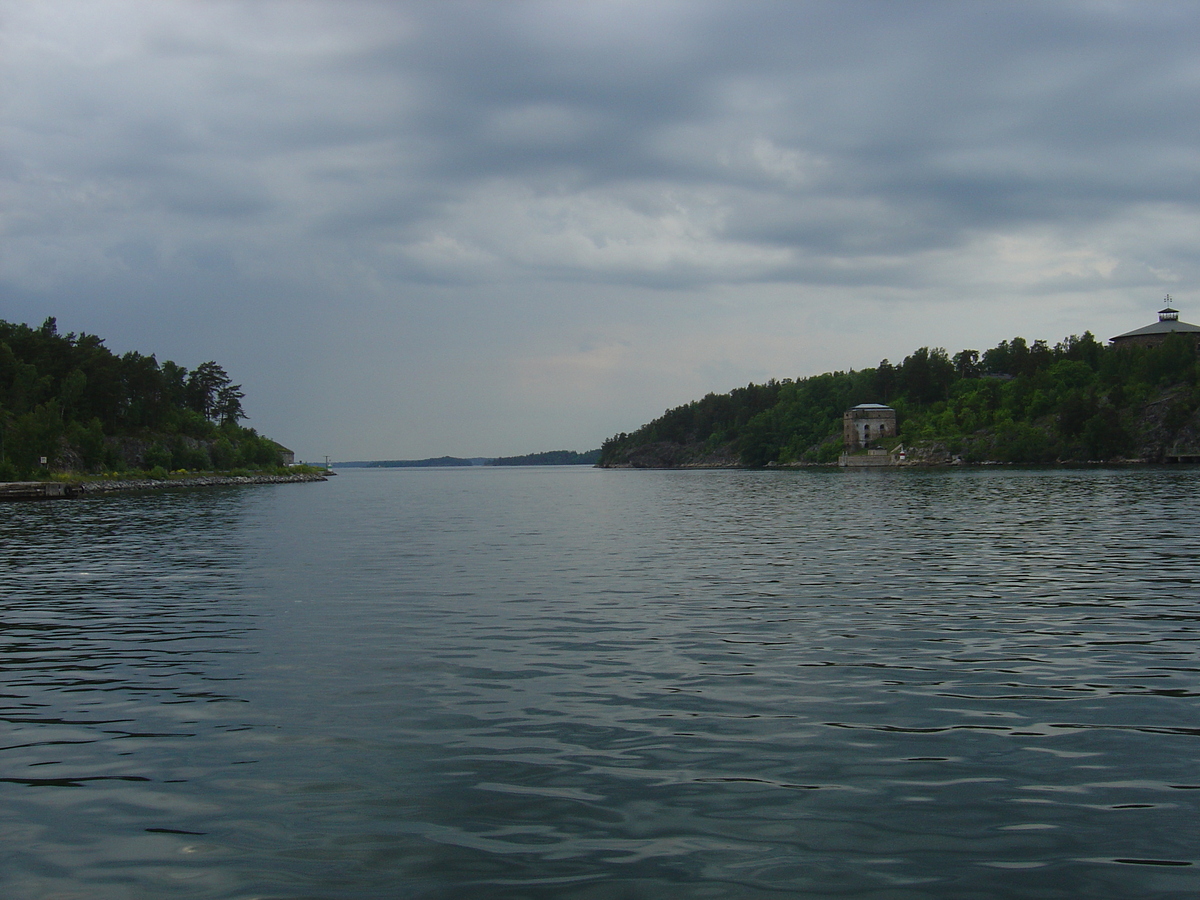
(59, 490)
(37, 490)
(874, 458)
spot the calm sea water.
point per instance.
(573, 683)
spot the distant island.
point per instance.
(1077, 401)
(546, 458)
(433, 462)
(71, 407)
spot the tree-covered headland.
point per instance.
(550, 458)
(1019, 402)
(69, 400)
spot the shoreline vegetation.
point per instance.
(74, 413)
(1077, 402)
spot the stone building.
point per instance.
(1153, 335)
(866, 425)
(286, 456)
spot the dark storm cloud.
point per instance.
(952, 117)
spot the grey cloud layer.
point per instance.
(845, 129)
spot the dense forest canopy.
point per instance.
(81, 407)
(1077, 400)
(550, 458)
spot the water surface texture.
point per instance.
(577, 683)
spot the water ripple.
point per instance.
(589, 684)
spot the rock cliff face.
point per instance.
(669, 455)
(170, 451)
(1169, 428)
(131, 452)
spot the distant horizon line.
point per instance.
(546, 457)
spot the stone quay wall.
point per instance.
(52, 490)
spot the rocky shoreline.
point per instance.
(49, 490)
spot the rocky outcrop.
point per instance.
(933, 454)
(670, 455)
(1168, 428)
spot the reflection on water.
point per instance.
(579, 683)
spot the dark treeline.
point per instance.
(1017, 402)
(81, 407)
(550, 458)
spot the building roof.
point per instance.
(1168, 322)
(881, 406)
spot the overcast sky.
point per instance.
(476, 229)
